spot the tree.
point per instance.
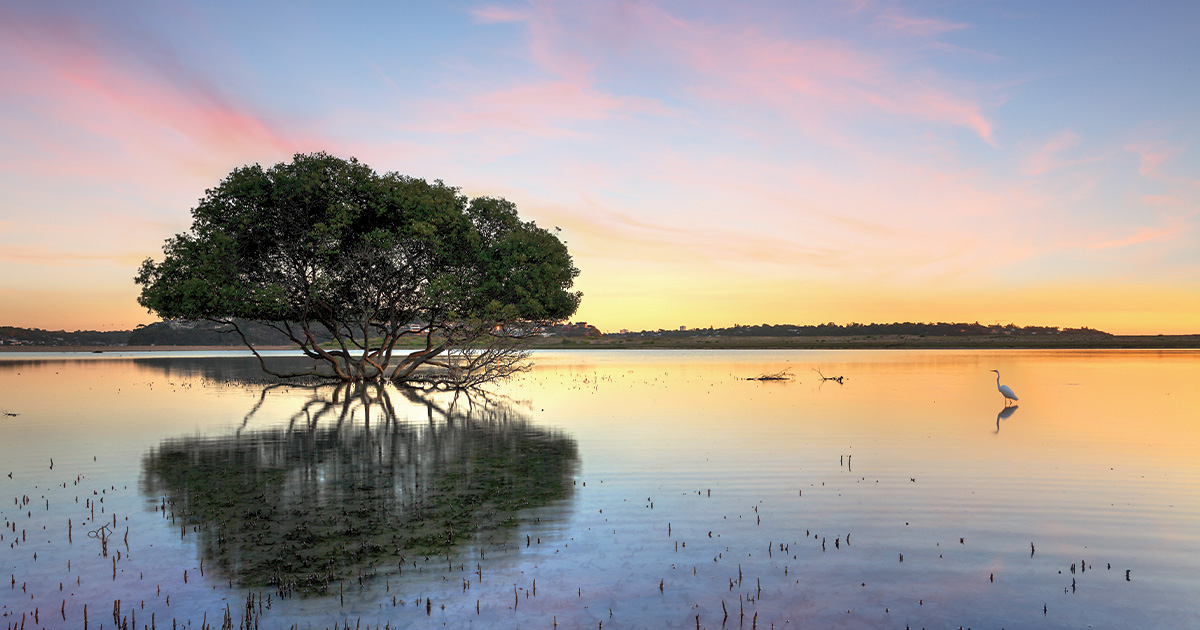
(347, 263)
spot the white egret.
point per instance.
(1004, 389)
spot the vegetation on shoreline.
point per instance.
(13, 336)
(910, 342)
(827, 336)
(949, 335)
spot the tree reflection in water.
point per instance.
(347, 486)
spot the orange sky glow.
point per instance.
(707, 164)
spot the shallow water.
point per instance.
(628, 489)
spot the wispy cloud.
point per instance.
(824, 80)
(813, 83)
(1139, 236)
(1053, 155)
(495, 14)
(547, 110)
(1152, 156)
(119, 104)
(921, 26)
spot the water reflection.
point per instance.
(222, 369)
(1083, 475)
(345, 485)
(1005, 412)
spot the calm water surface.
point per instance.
(608, 489)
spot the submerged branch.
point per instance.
(829, 378)
(782, 375)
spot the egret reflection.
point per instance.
(346, 485)
(1005, 413)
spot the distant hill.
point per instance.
(13, 336)
(166, 333)
(574, 329)
(204, 333)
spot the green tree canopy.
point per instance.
(325, 249)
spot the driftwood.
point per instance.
(829, 378)
(782, 375)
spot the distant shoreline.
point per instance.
(883, 342)
(119, 349)
(701, 342)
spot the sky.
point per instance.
(707, 163)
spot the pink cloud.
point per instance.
(105, 106)
(1160, 200)
(544, 109)
(493, 14)
(801, 79)
(586, 52)
(923, 27)
(1049, 157)
(1143, 234)
(1151, 156)
(607, 234)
